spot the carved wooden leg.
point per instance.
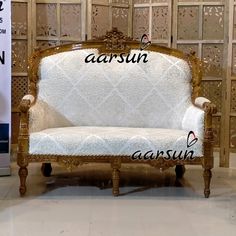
(115, 181)
(23, 172)
(207, 179)
(115, 177)
(46, 169)
(179, 171)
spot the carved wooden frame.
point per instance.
(113, 42)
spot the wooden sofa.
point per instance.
(115, 100)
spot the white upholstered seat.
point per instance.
(110, 141)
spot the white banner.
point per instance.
(5, 86)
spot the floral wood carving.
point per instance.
(114, 40)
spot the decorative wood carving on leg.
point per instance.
(23, 143)
(208, 161)
(207, 180)
(46, 169)
(116, 164)
(23, 173)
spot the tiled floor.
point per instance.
(154, 203)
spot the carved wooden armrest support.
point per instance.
(206, 105)
(209, 108)
(26, 102)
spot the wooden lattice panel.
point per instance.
(58, 21)
(212, 56)
(19, 89)
(19, 19)
(100, 23)
(233, 132)
(188, 22)
(233, 97)
(19, 55)
(213, 91)
(234, 23)
(120, 19)
(231, 80)
(46, 19)
(153, 17)
(160, 27)
(105, 14)
(141, 22)
(71, 21)
(213, 22)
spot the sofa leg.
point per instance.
(207, 179)
(46, 169)
(115, 182)
(115, 177)
(179, 171)
(23, 172)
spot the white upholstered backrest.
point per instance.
(151, 94)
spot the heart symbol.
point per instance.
(145, 42)
(191, 139)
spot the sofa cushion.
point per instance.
(110, 141)
(154, 94)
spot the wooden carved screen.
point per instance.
(102, 15)
(153, 17)
(231, 80)
(21, 49)
(58, 22)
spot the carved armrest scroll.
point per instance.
(209, 109)
(26, 102)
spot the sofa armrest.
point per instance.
(206, 105)
(193, 120)
(23, 138)
(43, 116)
(26, 102)
(198, 117)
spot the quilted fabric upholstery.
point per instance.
(155, 94)
(110, 141)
